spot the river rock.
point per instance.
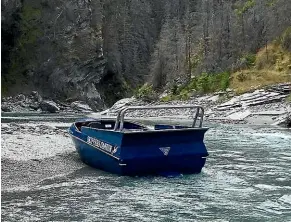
(20, 97)
(6, 108)
(288, 121)
(121, 103)
(34, 106)
(81, 106)
(35, 96)
(49, 106)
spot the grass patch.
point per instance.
(271, 65)
(255, 79)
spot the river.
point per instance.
(247, 177)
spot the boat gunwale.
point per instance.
(150, 130)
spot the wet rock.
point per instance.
(288, 120)
(6, 108)
(22, 104)
(20, 97)
(49, 106)
(36, 96)
(34, 106)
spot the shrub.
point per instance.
(203, 83)
(242, 77)
(147, 93)
(286, 39)
(167, 98)
(248, 60)
(184, 94)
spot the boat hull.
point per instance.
(142, 153)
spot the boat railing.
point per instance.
(119, 123)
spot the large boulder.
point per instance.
(81, 106)
(121, 103)
(6, 108)
(35, 96)
(20, 97)
(284, 120)
(49, 106)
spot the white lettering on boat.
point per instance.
(100, 144)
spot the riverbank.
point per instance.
(270, 106)
(33, 151)
(33, 102)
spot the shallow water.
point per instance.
(247, 177)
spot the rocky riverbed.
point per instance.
(34, 102)
(31, 150)
(265, 106)
(271, 105)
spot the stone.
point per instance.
(49, 106)
(35, 96)
(239, 115)
(121, 103)
(289, 122)
(34, 106)
(81, 106)
(22, 104)
(20, 97)
(213, 98)
(6, 108)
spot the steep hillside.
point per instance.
(272, 64)
(100, 51)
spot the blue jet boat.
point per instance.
(130, 148)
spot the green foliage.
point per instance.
(24, 54)
(249, 60)
(212, 82)
(288, 99)
(30, 30)
(271, 3)
(168, 98)
(205, 83)
(197, 58)
(146, 93)
(174, 89)
(286, 39)
(242, 9)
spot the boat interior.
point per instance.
(128, 125)
(109, 125)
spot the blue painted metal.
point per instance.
(137, 150)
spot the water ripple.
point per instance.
(246, 178)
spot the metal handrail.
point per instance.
(121, 113)
(118, 118)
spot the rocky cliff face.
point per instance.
(99, 50)
(58, 49)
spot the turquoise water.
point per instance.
(247, 177)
